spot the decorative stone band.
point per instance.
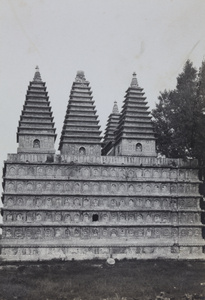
(80, 187)
(110, 203)
(100, 218)
(103, 235)
(103, 252)
(108, 160)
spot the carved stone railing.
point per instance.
(105, 160)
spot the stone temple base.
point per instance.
(82, 253)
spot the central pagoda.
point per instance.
(81, 132)
(135, 135)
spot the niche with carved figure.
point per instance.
(138, 147)
(36, 144)
(82, 151)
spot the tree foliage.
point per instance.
(179, 118)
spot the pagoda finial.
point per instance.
(37, 75)
(115, 109)
(80, 77)
(134, 82)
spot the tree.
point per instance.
(200, 114)
(178, 117)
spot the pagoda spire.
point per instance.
(115, 109)
(81, 131)
(37, 75)
(36, 132)
(111, 126)
(134, 82)
(135, 135)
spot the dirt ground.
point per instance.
(96, 280)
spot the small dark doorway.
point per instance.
(95, 218)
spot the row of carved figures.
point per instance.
(113, 203)
(102, 172)
(101, 232)
(103, 217)
(48, 186)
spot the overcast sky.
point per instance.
(108, 39)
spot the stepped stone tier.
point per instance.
(36, 126)
(135, 134)
(77, 205)
(81, 132)
(109, 136)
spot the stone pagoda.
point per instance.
(36, 127)
(79, 204)
(109, 136)
(81, 130)
(135, 134)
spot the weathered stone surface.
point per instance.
(83, 205)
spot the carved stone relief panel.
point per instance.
(38, 202)
(139, 173)
(86, 217)
(40, 171)
(38, 216)
(174, 204)
(49, 171)
(58, 217)
(131, 217)
(86, 202)
(85, 232)
(9, 202)
(49, 217)
(67, 218)
(85, 173)
(122, 203)
(181, 174)
(104, 188)
(105, 217)
(166, 204)
(8, 233)
(48, 202)
(121, 189)
(58, 232)
(29, 233)
(95, 172)
(20, 217)
(31, 171)
(173, 188)
(164, 174)
(48, 232)
(11, 171)
(173, 174)
(188, 203)
(147, 173)
(131, 189)
(19, 233)
(48, 187)
(10, 186)
(105, 173)
(68, 202)
(113, 217)
(95, 202)
(59, 187)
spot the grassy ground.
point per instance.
(95, 280)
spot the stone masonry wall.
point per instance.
(84, 207)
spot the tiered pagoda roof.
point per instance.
(112, 123)
(135, 121)
(81, 125)
(36, 117)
